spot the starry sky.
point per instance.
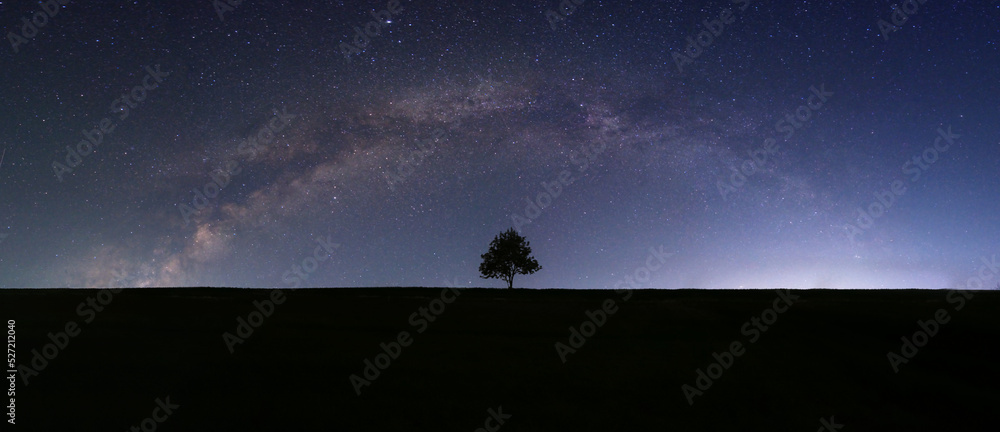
(689, 144)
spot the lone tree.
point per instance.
(509, 254)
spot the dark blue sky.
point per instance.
(744, 160)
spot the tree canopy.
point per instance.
(509, 254)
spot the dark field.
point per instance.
(825, 356)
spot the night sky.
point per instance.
(744, 156)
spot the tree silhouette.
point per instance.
(509, 254)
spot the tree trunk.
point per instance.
(510, 283)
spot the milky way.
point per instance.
(795, 145)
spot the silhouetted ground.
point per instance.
(825, 356)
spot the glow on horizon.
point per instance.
(810, 277)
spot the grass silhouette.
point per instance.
(826, 356)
